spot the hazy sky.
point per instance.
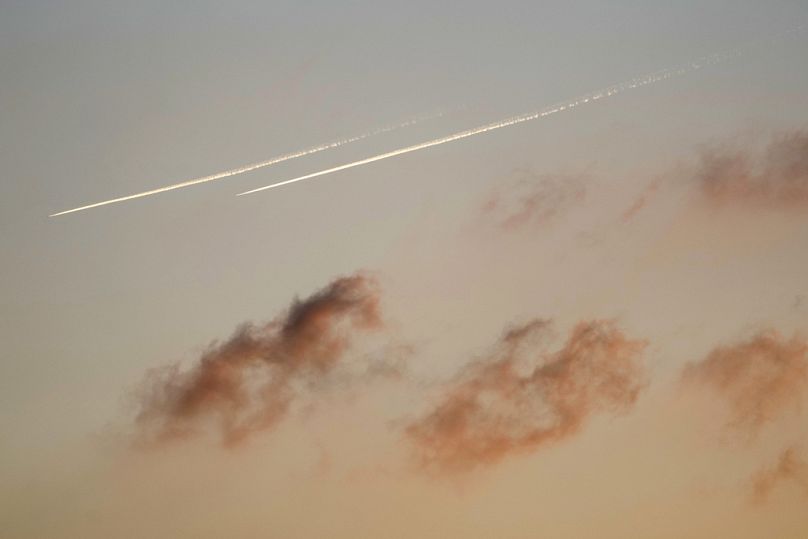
(401, 377)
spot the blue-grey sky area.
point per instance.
(104, 99)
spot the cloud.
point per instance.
(760, 379)
(642, 200)
(533, 199)
(775, 177)
(248, 382)
(732, 175)
(522, 396)
(789, 467)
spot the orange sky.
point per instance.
(594, 325)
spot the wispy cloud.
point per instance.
(642, 200)
(522, 396)
(776, 177)
(788, 468)
(740, 175)
(532, 199)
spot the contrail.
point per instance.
(564, 105)
(255, 166)
(652, 78)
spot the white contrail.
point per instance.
(565, 105)
(255, 166)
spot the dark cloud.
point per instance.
(522, 396)
(247, 383)
(760, 378)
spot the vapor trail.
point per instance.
(255, 166)
(564, 105)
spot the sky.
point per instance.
(591, 324)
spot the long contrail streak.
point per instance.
(565, 105)
(254, 166)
